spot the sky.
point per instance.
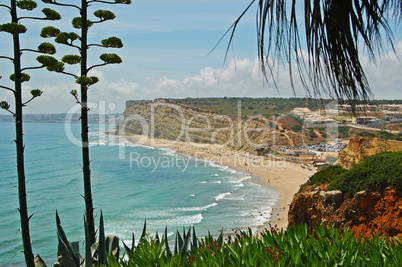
(167, 53)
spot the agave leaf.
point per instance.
(168, 252)
(144, 231)
(220, 238)
(69, 258)
(180, 240)
(65, 254)
(88, 254)
(195, 242)
(175, 246)
(75, 248)
(129, 251)
(209, 237)
(112, 246)
(157, 238)
(102, 246)
(185, 243)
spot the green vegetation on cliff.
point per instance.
(375, 172)
(326, 175)
(252, 106)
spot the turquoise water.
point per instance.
(127, 185)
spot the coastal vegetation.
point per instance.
(295, 246)
(19, 76)
(325, 246)
(268, 106)
(375, 172)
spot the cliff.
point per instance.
(365, 213)
(367, 198)
(163, 118)
(358, 149)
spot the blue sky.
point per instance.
(166, 54)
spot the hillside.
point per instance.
(367, 198)
(174, 120)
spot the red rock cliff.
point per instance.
(366, 213)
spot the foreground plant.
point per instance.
(71, 39)
(18, 77)
(325, 246)
(331, 31)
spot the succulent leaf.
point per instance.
(185, 243)
(195, 241)
(88, 254)
(49, 31)
(168, 252)
(13, 28)
(102, 245)
(144, 231)
(112, 245)
(67, 251)
(71, 59)
(112, 42)
(51, 14)
(110, 58)
(26, 4)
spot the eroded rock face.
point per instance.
(365, 213)
(358, 149)
(165, 119)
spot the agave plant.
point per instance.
(69, 254)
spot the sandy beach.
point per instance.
(284, 176)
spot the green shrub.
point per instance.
(375, 172)
(297, 128)
(343, 132)
(327, 175)
(313, 134)
(387, 135)
(367, 134)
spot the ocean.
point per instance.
(130, 184)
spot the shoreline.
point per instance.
(283, 176)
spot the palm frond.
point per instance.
(332, 32)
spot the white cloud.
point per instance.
(241, 77)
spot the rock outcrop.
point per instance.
(358, 149)
(365, 213)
